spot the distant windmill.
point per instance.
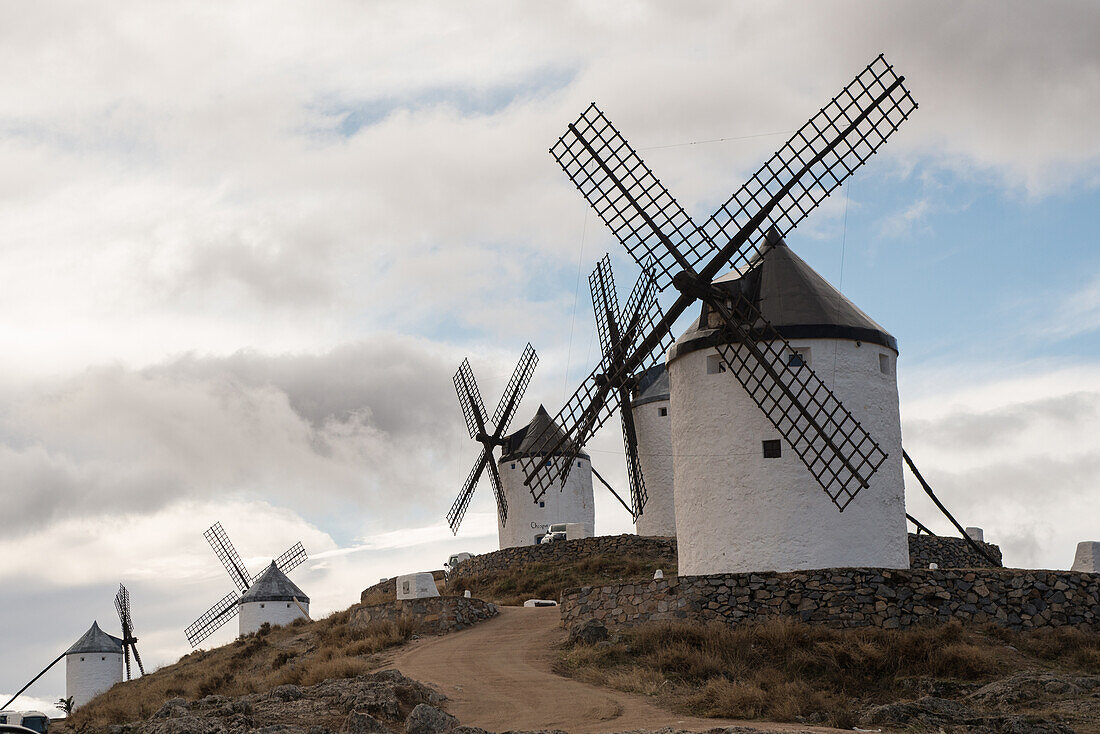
(489, 432)
(94, 662)
(620, 331)
(129, 642)
(217, 615)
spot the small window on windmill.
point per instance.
(542, 503)
(715, 364)
(288, 606)
(799, 358)
(773, 449)
(662, 412)
(261, 606)
(884, 364)
(404, 587)
(513, 465)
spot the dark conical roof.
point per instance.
(798, 302)
(652, 386)
(96, 640)
(273, 585)
(541, 431)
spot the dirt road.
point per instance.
(497, 676)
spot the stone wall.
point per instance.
(435, 615)
(849, 597)
(947, 552)
(386, 590)
(661, 550)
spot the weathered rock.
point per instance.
(427, 719)
(590, 632)
(361, 723)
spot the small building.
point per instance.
(1087, 558)
(528, 520)
(649, 404)
(416, 586)
(273, 599)
(92, 665)
(745, 501)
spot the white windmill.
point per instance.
(268, 597)
(757, 433)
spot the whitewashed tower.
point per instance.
(744, 500)
(651, 407)
(527, 521)
(272, 599)
(92, 665)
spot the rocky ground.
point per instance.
(390, 702)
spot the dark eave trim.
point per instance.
(712, 338)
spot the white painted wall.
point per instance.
(526, 519)
(654, 433)
(736, 511)
(416, 586)
(87, 674)
(1087, 558)
(255, 613)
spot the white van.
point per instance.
(33, 720)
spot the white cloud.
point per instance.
(1013, 453)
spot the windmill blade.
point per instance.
(126, 657)
(832, 444)
(605, 303)
(816, 160)
(291, 558)
(638, 494)
(458, 509)
(228, 555)
(498, 491)
(631, 201)
(122, 606)
(595, 400)
(212, 619)
(469, 397)
(137, 659)
(513, 393)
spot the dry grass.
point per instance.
(303, 653)
(546, 580)
(783, 670)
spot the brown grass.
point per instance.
(303, 653)
(546, 580)
(783, 670)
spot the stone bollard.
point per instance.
(976, 534)
(933, 566)
(466, 593)
(658, 574)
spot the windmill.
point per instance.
(228, 607)
(129, 642)
(838, 452)
(619, 332)
(479, 425)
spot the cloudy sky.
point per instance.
(244, 247)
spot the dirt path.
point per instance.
(497, 676)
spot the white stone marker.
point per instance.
(976, 534)
(416, 586)
(658, 574)
(1087, 558)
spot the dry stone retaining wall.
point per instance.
(661, 550)
(435, 615)
(948, 552)
(849, 597)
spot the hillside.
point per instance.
(301, 654)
